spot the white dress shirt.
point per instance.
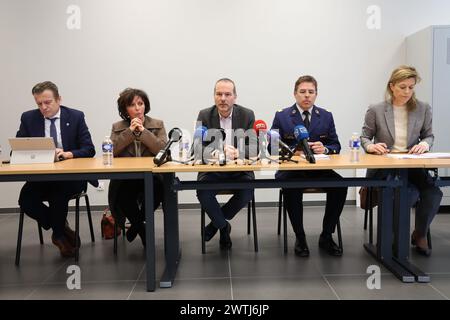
(227, 125)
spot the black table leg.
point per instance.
(171, 232)
(149, 231)
(383, 249)
(403, 214)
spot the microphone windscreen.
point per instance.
(200, 132)
(259, 125)
(300, 132)
(273, 135)
(175, 134)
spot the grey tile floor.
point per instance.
(238, 274)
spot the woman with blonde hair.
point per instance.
(402, 123)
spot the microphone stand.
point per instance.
(193, 161)
(170, 159)
(286, 156)
(262, 155)
(196, 153)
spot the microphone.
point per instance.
(275, 136)
(301, 135)
(164, 154)
(260, 128)
(197, 141)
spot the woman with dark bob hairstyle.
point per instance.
(136, 135)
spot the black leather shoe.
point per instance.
(225, 240)
(327, 244)
(45, 224)
(210, 231)
(301, 247)
(133, 231)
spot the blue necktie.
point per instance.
(53, 133)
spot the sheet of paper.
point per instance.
(319, 156)
(428, 155)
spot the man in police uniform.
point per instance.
(322, 140)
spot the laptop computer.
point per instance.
(32, 150)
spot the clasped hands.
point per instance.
(231, 153)
(136, 125)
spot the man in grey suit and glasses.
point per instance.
(234, 119)
(402, 123)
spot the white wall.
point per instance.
(176, 49)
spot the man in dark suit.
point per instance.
(323, 140)
(72, 139)
(234, 119)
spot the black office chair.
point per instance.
(251, 212)
(76, 197)
(283, 217)
(368, 213)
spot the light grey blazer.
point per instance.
(379, 125)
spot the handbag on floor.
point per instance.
(364, 195)
(107, 225)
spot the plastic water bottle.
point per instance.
(107, 148)
(355, 145)
(183, 149)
